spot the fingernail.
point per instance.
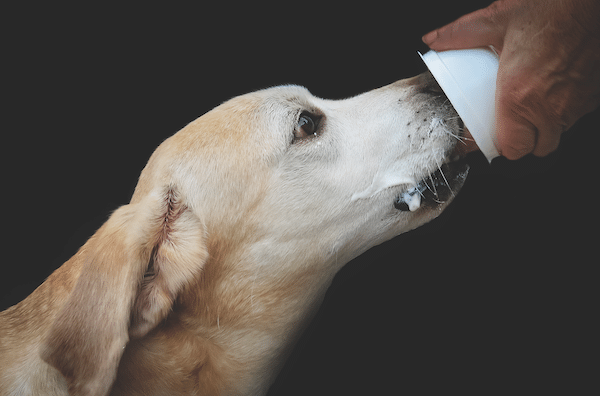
(430, 37)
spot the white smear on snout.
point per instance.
(384, 180)
(391, 172)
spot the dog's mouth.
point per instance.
(435, 189)
(444, 183)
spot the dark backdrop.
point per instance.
(499, 294)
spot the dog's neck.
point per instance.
(232, 328)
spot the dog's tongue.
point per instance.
(412, 198)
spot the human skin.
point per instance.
(549, 70)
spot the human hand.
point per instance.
(549, 70)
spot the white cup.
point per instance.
(468, 78)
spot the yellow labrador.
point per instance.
(239, 222)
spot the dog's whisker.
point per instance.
(446, 180)
(434, 190)
(461, 139)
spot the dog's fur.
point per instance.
(202, 283)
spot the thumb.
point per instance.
(478, 29)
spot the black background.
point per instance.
(497, 295)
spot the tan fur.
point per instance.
(201, 284)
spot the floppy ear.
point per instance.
(133, 268)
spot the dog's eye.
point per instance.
(308, 125)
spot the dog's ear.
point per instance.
(132, 270)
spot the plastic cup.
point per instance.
(468, 78)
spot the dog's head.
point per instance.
(334, 175)
(276, 178)
(339, 175)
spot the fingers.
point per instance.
(524, 124)
(516, 136)
(478, 29)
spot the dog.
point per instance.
(237, 226)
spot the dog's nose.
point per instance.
(425, 83)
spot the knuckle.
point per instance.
(493, 10)
(495, 13)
